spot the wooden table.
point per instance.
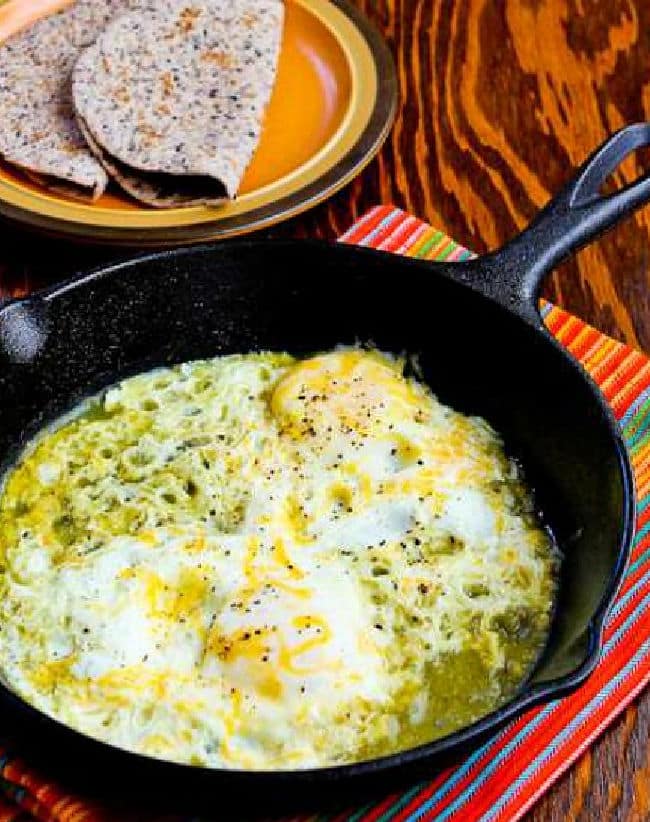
(501, 99)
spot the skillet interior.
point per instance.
(304, 297)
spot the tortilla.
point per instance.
(38, 131)
(150, 188)
(172, 97)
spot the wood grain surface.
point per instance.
(500, 101)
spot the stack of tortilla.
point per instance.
(166, 97)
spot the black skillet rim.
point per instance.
(530, 695)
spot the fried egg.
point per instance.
(260, 562)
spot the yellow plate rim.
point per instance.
(365, 126)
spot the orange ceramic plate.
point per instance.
(331, 110)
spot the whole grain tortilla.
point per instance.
(171, 98)
(38, 130)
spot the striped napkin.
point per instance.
(502, 779)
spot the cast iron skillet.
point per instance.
(483, 349)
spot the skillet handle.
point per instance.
(579, 213)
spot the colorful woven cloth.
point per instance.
(501, 780)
